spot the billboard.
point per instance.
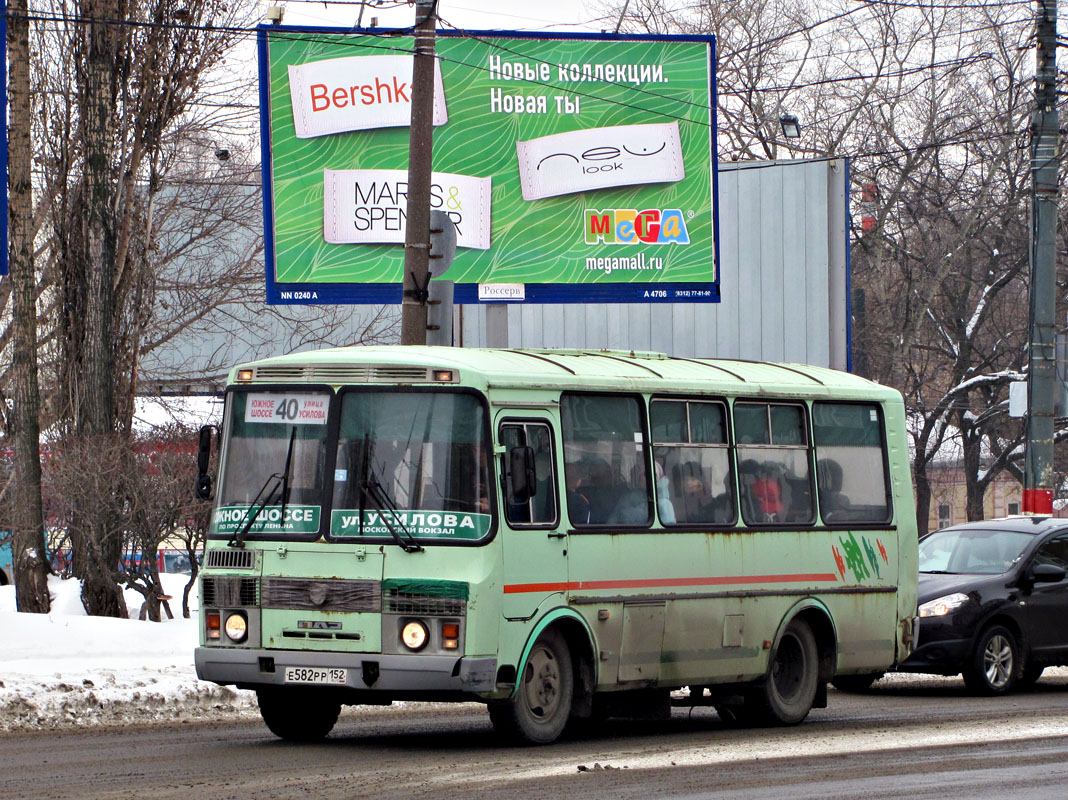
(575, 168)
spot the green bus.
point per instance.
(562, 535)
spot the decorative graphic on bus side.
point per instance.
(859, 557)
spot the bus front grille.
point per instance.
(405, 603)
(231, 559)
(321, 594)
(226, 592)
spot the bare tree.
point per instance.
(135, 75)
(161, 504)
(931, 103)
(28, 543)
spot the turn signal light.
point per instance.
(450, 635)
(212, 624)
(244, 374)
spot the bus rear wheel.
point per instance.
(298, 716)
(538, 710)
(793, 677)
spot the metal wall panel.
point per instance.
(784, 259)
(782, 248)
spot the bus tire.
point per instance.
(540, 707)
(297, 716)
(793, 677)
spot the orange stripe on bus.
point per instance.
(653, 583)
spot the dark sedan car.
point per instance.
(993, 602)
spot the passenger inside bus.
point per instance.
(664, 505)
(762, 495)
(833, 504)
(544, 510)
(599, 490)
(696, 503)
(578, 505)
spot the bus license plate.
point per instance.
(316, 675)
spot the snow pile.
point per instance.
(67, 669)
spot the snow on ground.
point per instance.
(69, 669)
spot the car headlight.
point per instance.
(236, 627)
(414, 635)
(941, 606)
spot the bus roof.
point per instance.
(555, 368)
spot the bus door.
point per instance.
(534, 536)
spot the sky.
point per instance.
(544, 15)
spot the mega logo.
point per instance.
(628, 226)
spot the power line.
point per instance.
(333, 38)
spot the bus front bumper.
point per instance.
(365, 672)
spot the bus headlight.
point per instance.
(236, 627)
(414, 635)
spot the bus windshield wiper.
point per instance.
(372, 490)
(279, 482)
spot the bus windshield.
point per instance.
(415, 461)
(275, 458)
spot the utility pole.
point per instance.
(421, 135)
(1045, 168)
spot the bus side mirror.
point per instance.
(203, 485)
(521, 470)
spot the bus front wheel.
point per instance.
(297, 716)
(541, 705)
(793, 677)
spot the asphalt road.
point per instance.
(910, 737)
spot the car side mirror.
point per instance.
(1047, 573)
(521, 470)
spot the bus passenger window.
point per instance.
(690, 451)
(605, 467)
(774, 475)
(851, 463)
(540, 509)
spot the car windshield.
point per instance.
(973, 552)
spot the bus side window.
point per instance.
(540, 509)
(774, 476)
(692, 463)
(605, 460)
(851, 463)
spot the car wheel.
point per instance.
(790, 687)
(297, 716)
(541, 705)
(855, 683)
(994, 663)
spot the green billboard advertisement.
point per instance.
(576, 169)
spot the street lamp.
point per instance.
(791, 128)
